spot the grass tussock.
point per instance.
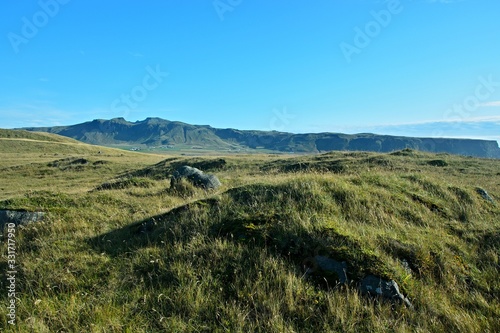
(122, 251)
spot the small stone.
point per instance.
(484, 194)
(19, 217)
(376, 286)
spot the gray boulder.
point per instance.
(18, 217)
(196, 177)
(186, 171)
(376, 286)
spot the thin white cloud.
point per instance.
(444, 1)
(491, 104)
(488, 119)
(136, 54)
(34, 115)
(486, 128)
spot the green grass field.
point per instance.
(121, 251)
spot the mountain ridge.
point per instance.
(154, 131)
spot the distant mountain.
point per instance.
(158, 132)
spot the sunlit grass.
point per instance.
(231, 260)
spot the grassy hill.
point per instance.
(6, 134)
(26, 142)
(26, 156)
(121, 251)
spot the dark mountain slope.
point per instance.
(156, 131)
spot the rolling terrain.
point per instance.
(120, 250)
(171, 135)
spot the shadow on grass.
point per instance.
(276, 234)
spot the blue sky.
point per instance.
(417, 68)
